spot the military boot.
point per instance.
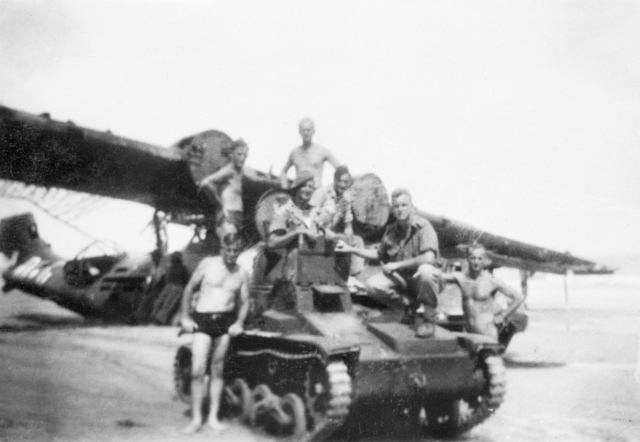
(409, 317)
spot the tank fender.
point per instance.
(475, 344)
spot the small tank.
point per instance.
(313, 360)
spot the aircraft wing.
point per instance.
(455, 237)
(34, 149)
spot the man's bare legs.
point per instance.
(199, 354)
(215, 390)
(200, 351)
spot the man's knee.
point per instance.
(378, 285)
(217, 367)
(198, 372)
(428, 272)
(218, 355)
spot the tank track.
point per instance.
(337, 404)
(327, 392)
(464, 414)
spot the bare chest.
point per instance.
(220, 277)
(308, 159)
(477, 289)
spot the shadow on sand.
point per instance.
(513, 363)
(39, 321)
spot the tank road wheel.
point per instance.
(327, 397)
(263, 401)
(293, 408)
(182, 374)
(461, 415)
(238, 395)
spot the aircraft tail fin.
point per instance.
(19, 234)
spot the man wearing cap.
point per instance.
(336, 216)
(298, 216)
(408, 252)
(308, 157)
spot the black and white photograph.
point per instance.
(307, 221)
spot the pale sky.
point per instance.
(521, 118)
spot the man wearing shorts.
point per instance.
(227, 186)
(214, 314)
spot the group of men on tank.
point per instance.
(408, 253)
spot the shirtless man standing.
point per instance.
(227, 185)
(478, 288)
(309, 156)
(214, 315)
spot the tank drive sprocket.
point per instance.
(460, 415)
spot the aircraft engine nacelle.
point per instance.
(20, 234)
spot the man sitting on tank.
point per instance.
(214, 314)
(408, 252)
(479, 288)
(336, 216)
(295, 220)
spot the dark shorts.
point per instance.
(214, 324)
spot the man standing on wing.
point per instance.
(227, 186)
(214, 315)
(408, 252)
(309, 156)
(478, 288)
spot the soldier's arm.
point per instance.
(448, 277)
(328, 156)
(187, 294)
(243, 310)
(428, 257)
(278, 240)
(516, 297)
(283, 176)
(224, 173)
(365, 253)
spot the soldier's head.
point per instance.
(231, 246)
(303, 187)
(307, 128)
(341, 179)
(477, 257)
(401, 204)
(238, 153)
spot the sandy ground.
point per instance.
(573, 375)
